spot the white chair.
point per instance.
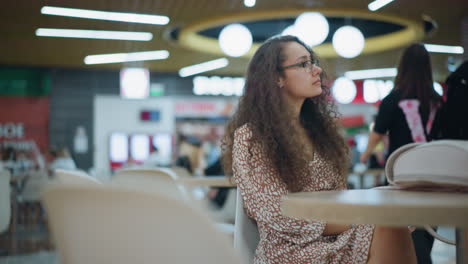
(153, 180)
(227, 213)
(33, 186)
(151, 172)
(106, 224)
(181, 172)
(5, 206)
(73, 177)
(246, 236)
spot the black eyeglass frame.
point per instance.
(302, 64)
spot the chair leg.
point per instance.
(462, 245)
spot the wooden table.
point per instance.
(385, 208)
(211, 181)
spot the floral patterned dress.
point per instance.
(286, 239)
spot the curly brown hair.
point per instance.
(268, 115)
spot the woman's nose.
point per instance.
(316, 70)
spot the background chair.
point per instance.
(246, 236)
(106, 224)
(30, 233)
(153, 180)
(5, 206)
(73, 177)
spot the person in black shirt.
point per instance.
(407, 114)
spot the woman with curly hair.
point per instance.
(284, 138)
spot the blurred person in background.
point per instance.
(284, 138)
(190, 154)
(154, 159)
(9, 157)
(407, 114)
(61, 159)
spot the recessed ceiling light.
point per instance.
(203, 67)
(104, 15)
(249, 3)
(371, 73)
(444, 48)
(124, 57)
(93, 34)
(377, 4)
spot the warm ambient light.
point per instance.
(444, 48)
(124, 57)
(312, 28)
(249, 3)
(344, 90)
(348, 42)
(203, 67)
(377, 4)
(371, 73)
(104, 15)
(94, 34)
(235, 40)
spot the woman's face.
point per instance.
(301, 78)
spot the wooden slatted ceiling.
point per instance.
(19, 20)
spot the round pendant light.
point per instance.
(312, 28)
(348, 41)
(344, 90)
(235, 40)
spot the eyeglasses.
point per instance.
(307, 65)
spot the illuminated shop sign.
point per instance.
(218, 86)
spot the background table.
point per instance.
(210, 181)
(385, 208)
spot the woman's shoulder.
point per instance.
(243, 132)
(393, 96)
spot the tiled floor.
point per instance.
(441, 254)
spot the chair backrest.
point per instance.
(153, 180)
(181, 172)
(34, 185)
(73, 177)
(147, 172)
(246, 235)
(5, 207)
(227, 213)
(106, 224)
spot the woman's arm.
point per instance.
(374, 139)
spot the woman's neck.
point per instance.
(296, 106)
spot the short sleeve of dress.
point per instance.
(262, 192)
(384, 116)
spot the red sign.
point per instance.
(24, 121)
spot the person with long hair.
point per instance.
(284, 138)
(407, 114)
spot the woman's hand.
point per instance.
(364, 157)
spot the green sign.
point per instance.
(24, 82)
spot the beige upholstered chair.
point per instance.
(73, 177)
(152, 180)
(111, 225)
(246, 236)
(147, 172)
(181, 172)
(5, 207)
